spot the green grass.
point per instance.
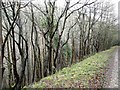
(79, 74)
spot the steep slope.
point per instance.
(88, 73)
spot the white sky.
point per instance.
(115, 2)
(61, 2)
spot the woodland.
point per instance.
(39, 39)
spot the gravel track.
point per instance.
(114, 74)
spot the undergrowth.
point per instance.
(85, 74)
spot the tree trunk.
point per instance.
(50, 58)
(1, 61)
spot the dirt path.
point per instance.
(114, 75)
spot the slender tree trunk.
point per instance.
(1, 62)
(42, 58)
(73, 49)
(9, 65)
(14, 59)
(50, 57)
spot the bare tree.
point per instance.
(22, 44)
(38, 41)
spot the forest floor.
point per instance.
(112, 72)
(97, 71)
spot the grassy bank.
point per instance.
(85, 74)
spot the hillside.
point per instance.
(88, 73)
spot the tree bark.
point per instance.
(1, 61)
